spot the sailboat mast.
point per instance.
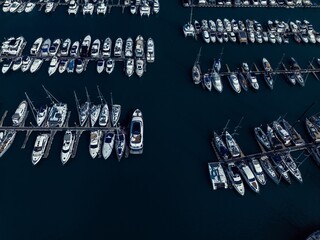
(103, 101)
(33, 109)
(87, 94)
(50, 96)
(77, 104)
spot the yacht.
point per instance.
(39, 147)
(133, 9)
(120, 144)
(74, 50)
(188, 30)
(294, 170)
(150, 51)
(139, 67)
(87, 8)
(217, 176)
(45, 47)
(6, 141)
(85, 46)
(104, 116)
(95, 143)
(6, 6)
(257, 171)
(110, 65)
(216, 81)
(299, 78)
(71, 65)
(67, 147)
(36, 47)
(102, 8)
(54, 48)
(84, 111)
(16, 64)
(220, 146)
(73, 7)
(295, 136)
(234, 176)
(274, 140)
(63, 65)
(26, 63)
(233, 147)
(49, 7)
(266, 65)
(95, 50)
(35, 66)
(129, 48)
(253, 80)
(42, 115)
(234, 82)
(20, 113)
(108, 144)
(54, 63)
(94, 114)
(248, 176)
(136, 133)
(313, 131)
(100, 65)
(243, 81)
(139, 50)
(269, 79)
(65, 48)
(115, 114)
(269, 169)
(196, 73)
(282, 133)
(144, 8)
(14, 6)
(57, 115)
(7, 63)
(262, 138)
(129, 67)
(281, 167)
(118, 47)
(207, 83)
(206, 36)
(13, 46)
(156, 6)
(107, 46)
(79, 64)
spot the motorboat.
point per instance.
(6, 6)
(102, 8)
(49, 7)
(88, 8)
(16, 64)
(42, 114)
(65, 47)
(216, 81)
(281, 167)
(266, 65)
(26, 63)
(6, 141)
(115, 114)
(110, 65)
(139, 67)
(67, 146)
(57, 115)
(252, 79)
(63, 65)
(313, 131)
(7, 63)
(207, 83)
(71, 65)
(282, 133)
(14, 6)
(150, 51)
(145, 8)
(36, 47)
(73, 7)
(129, 67)
(104, 115)
(120, 144)
(128, 48)
(74, 50)
(235, 179)
(234, 82)
(299, 78)
(20, 114)
(274, 140)
(262, 138)
(220, 146)
(118, 47)
(79, 65)
(139, 50)
(13, 46)
(95, 143)
(84, 112)
(85, 46)
(54, 48)
(133, 9)
(248, 176)
(217, 176)
(269, 169)
(100, 65)
(54, 63)
(45, 48)
(206, 36)
(295, 136)
(39, 147)
(108, 144)
(95, 50)
(136, 133)
(196, 73)
(269, 79)
(243, 81)
(35, 66)
(156, 6)
(232, 145)
(29, 7)
(94, 114)
(257, 171)
(106, 48)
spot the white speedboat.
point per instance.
(39, 147)
(248, 176)
(150, 51)
(95, 49)
(79, 65)
(129, 48)
(100, 65)
(129, 67)
(120, 144)
(133, 9)
(108, 144)
(136, 133)
(65, 47)
(14, 6)
(57, 115)
(54, 63)
(102, 8)
(26, 63)
(139, 50)
(6, 141)
(36, 64)
(73, 7)
(49, 7)
(6, 6)
(74, 50)
(20, 113)
(29, 7)
(42, 115)
(54, 48)
(139, 67)
(118, 47)
(94, 114)
(95, 143)
(107, 47)
(16, 64)
(88, 8)
(156, 6)
(67, 147)
(7, 63)
(36, 47)
(145, 9)
(115, 114)
(45, 47)
(235, 178)
(104, 116)
(257, 171)
(110, 65)
(63, 65)
(234, 82)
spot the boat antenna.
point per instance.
(279, 64)
(225, 127)
(87, 94)
(33, 109)
(50, 96)
(238, 126)
(103, 101)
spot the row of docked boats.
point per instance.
(252, 31)
(244, 78)
(248, 3)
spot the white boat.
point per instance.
(67, 147)
(136, 133)
(234, 82)
(54, 48)
(257, 171)
(139, 67)
(235, 178)
(65, 47)
(74, 50)
(79, 65)
(6, 141)
(45, 47)
(22, 7)
(120, 144)
(139, 50)
(156, 6)
(129, 67)
(133, 9)
(20, 113)
(150, 51)
(16, 64)
(102, 8)
(54, 63)
(107, 46)
(104, 116)
(115, 114)
(94, 114)
(42, 115)
(13, 46)
(7, 63)
(145, 9)
(88, 8)
(110, 65)
(84, 113)
(232, 145)
(108, 144)
(26, 63)
(14, 6)
(39, 147)
(36, 64)
(95, 143)
(129, 48)
(57, 115)
(248, 176)
(29, 7)
(95, 49)
(217, 176)
(36, 47)
(100, 65)
(49, 7)
(118, 47)
(63, 65)
(6, 6)
(73, 7)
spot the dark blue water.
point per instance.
(166, 192)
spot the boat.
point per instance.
(220, 146)
(88, 8)
(84, 112)
(6, 141)
(207, 83)
(74, 50)
(54, 63)
(136, 133)
(118, 47)
(73, 7)
(269, 79)
(110, 65)
(262, 138)
(234, 82)
(243, 81)
(102, 8)
(20, 114)
(295, 136)
(45, 48)
(217, 176)
(257, 171)
(108, 144)
(35, 66)
(7, 63)
(21, 7)
(274, 140)
(206, 36)
(6, 6)
(150, 51)
(115, 114)
(57, 115)
(94, 114)
(71, 65)
(120, 144)
(79, 65)
(16, 63)
(294, 170)
(65, 47)
(100, 65)
(129, 48)
(313, 131)
(314, 236)
(144, 8)
(133, 9)
(245, 67)
(42, 115)
(216, 81)
(269, 169)
(67, 146)
(36, 46)
(235, 179)
(95, 143)
(106, 48)
(54, 48)
(266, 65)
(49, 7)
(233, 147)
(104, 116)
(253, 80)
(14, 6)
(26, 63)
(281, 167)
(95, 50)
(282, 133)
(129, 67)
(139, 67)
(85, 46)
(63, 65)
(39, 147)
(139, 50)
(248, 176)
(299, 78)
(156, 6)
